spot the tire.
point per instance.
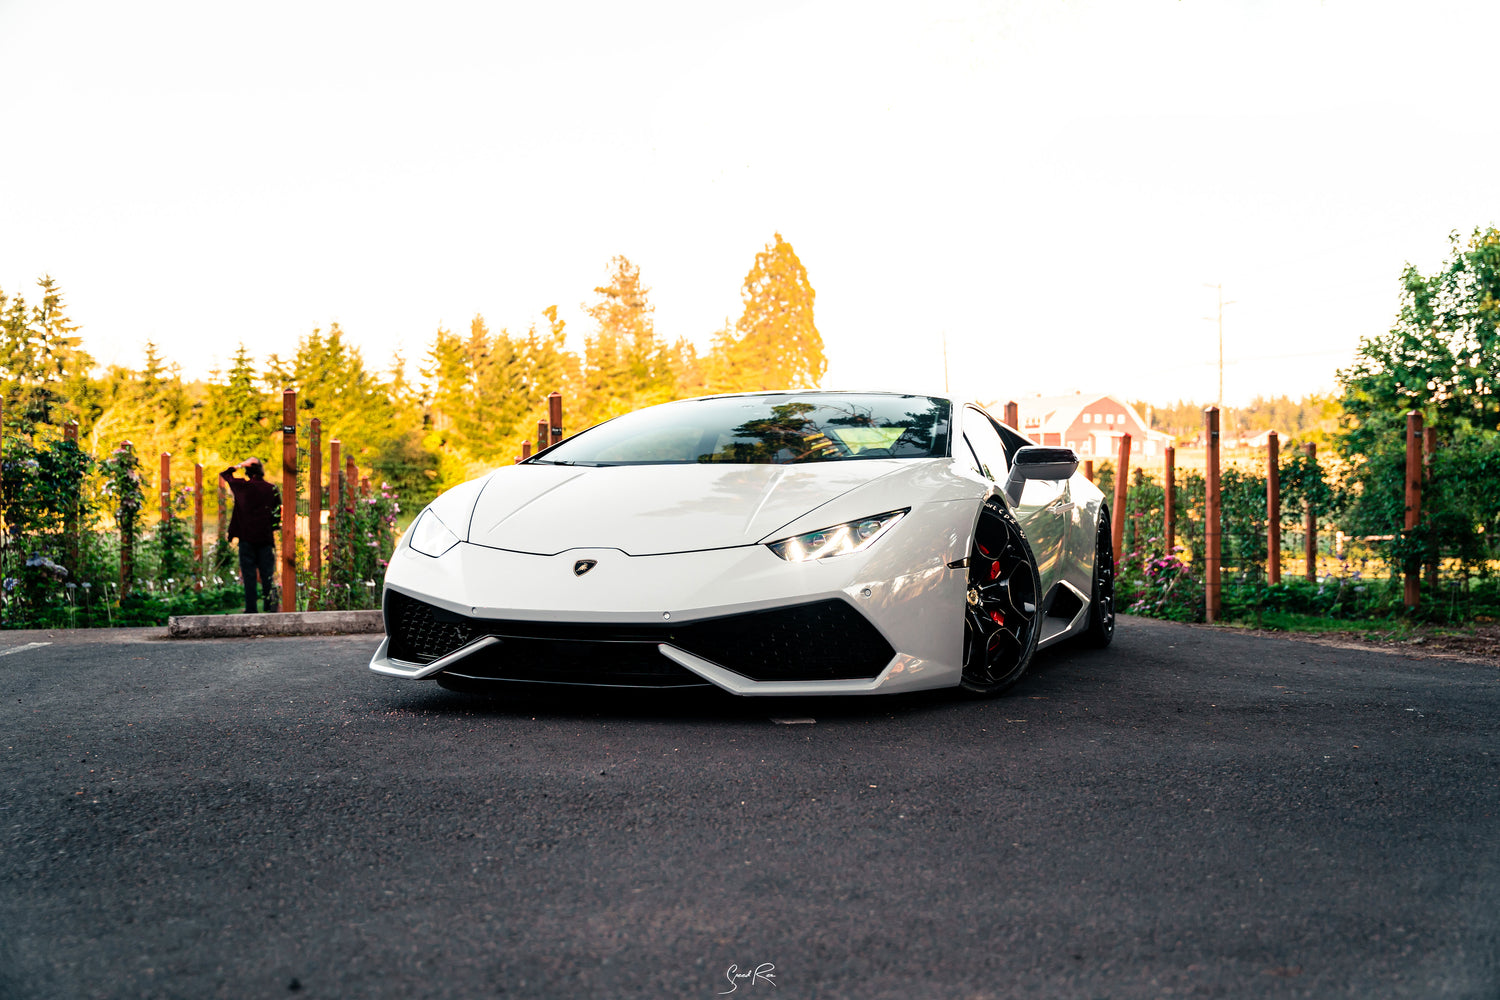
(1002, 613)
(1101, 630)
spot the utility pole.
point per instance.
(1220, 318)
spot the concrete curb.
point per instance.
(282, 623)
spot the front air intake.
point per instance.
(819, 641)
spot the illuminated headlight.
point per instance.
(430, 536)
(839, 540)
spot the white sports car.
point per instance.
(778, 543)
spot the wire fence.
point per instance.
(1324, 566)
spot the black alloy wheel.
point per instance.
(1101, 628)
(1002, 620)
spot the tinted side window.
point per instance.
(986, 443)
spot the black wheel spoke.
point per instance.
(1000, 620)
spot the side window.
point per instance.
(985, 441)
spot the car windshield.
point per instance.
(776, 429)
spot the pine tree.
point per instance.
(45, 372)
(236, 421)
(333, 384)
(779, 345)
(624, 366)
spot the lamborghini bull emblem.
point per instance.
(582, 566)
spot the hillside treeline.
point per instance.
(1314, 417)
(475, 395)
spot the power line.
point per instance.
(1222, 304)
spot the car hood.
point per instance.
(654, 509)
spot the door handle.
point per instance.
(1062, 508)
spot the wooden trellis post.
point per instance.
(1429, 447)
(1013, 414)
(289, 500)
(70, 516)
(1311, 527)
(543, 435)
(165, 485)
(1412, 590)
(1212, 525)
(315, 509)
(1273, 508)
(198, 524)
(333, 479)
(2, 503)
(1122, 488)
(351, 480)
(1169, 483)
(127, 543)
(555, 416)
(1088, 469)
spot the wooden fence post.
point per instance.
(333, 479)
(1169, 487)
(351, 481)
(2, 504)
(1122, 487)
(1429, 447)
(1412, 591)
(543, 435)
(127, 543)
(198, 523)
(1273, 508)
(1013, 414)
(223, 525)
(555, 416)
(289, 500)
(1088, 469)
(525, 450)
(315, 510)
(1212, 523)
(165, 486)
(1311, 526)
(70, 516)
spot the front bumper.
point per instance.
(739, 618)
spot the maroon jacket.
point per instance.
(256, 506)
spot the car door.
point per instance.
(1039, 509)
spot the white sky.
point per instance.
(1050, 183)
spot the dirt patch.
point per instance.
(1478, 643)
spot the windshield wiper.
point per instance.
(563, 461)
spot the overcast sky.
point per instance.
(1049, 185)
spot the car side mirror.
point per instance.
(1034, 462)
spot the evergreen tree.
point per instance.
(45, 371)
(236, 419)
(624, 367)
(334, 385)
(149, 408)
(779, 346)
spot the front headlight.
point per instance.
(839, 540)
(429, 535)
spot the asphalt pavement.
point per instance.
(1189, 813)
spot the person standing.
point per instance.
(256, 516)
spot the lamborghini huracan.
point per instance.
(773, 543)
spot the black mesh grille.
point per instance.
(420, 633)
(569, 661)
(823, 640)
(826, 640)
